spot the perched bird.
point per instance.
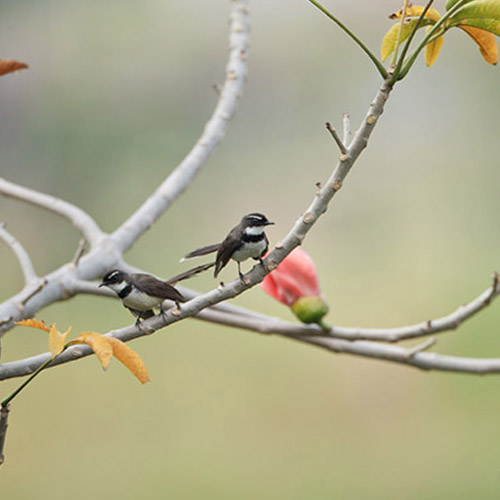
(246, 240)
(140, 293)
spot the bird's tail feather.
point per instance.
(201, 251)
(190, 273)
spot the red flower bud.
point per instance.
(295, 283)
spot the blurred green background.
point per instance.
(116, 94)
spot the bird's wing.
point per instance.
(230, 244)
(156, 288)
(202, 251)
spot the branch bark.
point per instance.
(180, 179)
(24, 259)
(106, 251)
(78, 217)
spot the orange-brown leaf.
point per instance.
(130, 359)
(57, 340)
(9, 66)
(34, 323)
(99, 344)
(486, 42)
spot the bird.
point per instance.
(140, 292)
(246, 240)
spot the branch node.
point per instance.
(337, 185)
(371, 119)
(346, 121)
(420, 348)
(338, 140)
(309, 218)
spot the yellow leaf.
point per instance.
(416, 11)
(130, 359)
(486, 42)
(33, 323)
(99, 344)
(391, 37)
(432, 50)
(413, 12)
(57, 340)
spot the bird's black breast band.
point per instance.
(123, 293)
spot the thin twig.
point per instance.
(41, 285)
(79, 252)
(346, 121)
(337, 139)
(27, 268)
(79, 218)
(421, 347)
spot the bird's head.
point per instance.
(114, 279)
(256, 220)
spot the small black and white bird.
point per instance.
(246, 240)
(140, 293)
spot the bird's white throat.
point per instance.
(118, 287)
(254, 230)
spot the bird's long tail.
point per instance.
(201, 251)
(190, 273)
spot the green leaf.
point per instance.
(482, 14)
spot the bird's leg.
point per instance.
(242, 278)
(162, 311)
(138, 324)
(177, 310)
(262, 263)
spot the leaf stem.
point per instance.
(427, 37)
(7, 400)
(400, 30)
(363, 47)
(410, 39)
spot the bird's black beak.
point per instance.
(101, 284)
(269, 223)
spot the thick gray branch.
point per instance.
(128, 233)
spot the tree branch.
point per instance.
(79, 218)
(128, 233)
(107, 252)
(24, 259)
(411, 356)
